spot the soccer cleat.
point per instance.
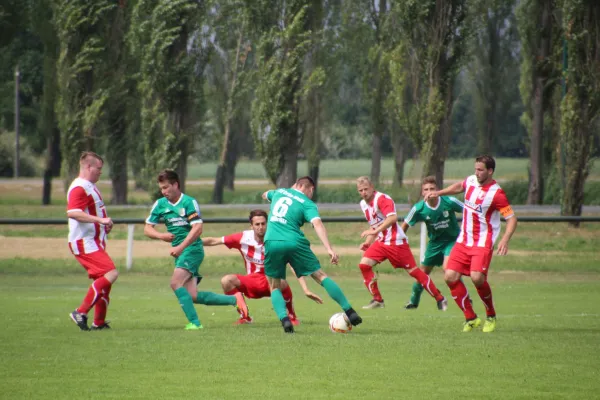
(80, 320)
(241, 306)
(354, 318)
(193, 327)
(105, 325)
(243, 321)
(442, 305)
(471, 324)
(489, 325)
(374, 304)
(294, 320)
(288, 327)
(410, 306)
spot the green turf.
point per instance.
(546, 345)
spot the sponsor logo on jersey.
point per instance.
(182, 212)
(446, 214)
(253, 260)
(473, 206)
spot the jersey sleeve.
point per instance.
(464, 183)
(413, 216)
(192, 212)
(386, 205)
(233, 241)
(502, 205)
(154, 216)
(311, 211)
(456, 205)
(270, 195)
(77, 200)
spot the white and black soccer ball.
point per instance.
(339, 323)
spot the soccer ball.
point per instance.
(339, 323)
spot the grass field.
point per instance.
(547, 292)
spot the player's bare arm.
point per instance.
(322, 234)
(305, 289)
(81, 216)
(191, 237)
(511, 226)
(264, 195)
(151, 232)
(387, 222)
(212, 241)
(405, 226)
(455, 188)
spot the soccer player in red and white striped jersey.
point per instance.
(254, 284)
(484, 203)
(385, 240)
(88, 227)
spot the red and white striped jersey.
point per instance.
(481, 214)
(375, 212)
(85, 238)
(252, 251)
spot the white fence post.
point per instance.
(423, 243)
(130, 229)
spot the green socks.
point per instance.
(334, 291)
(278, 304)
(214, 299)
(185, 300)
(415, 297)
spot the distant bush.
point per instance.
(516, 191)
(27, 166)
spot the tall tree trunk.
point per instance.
(117, 159)
(228, 141)
(535, 194)
(231, 164)
(288, 175)
(399, 150)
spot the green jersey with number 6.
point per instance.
(440, 220)
(290, 209)
(178, 217)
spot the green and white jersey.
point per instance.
(290, 209)
(178, 217)
(440, 220)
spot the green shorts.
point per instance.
(190, 259)
(435, 253)
(279, 253)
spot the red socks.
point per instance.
(287, 296)
(485, 292)
(461, 296)
(427, 283)
(96, 290)
(370, 281)
(101, 307)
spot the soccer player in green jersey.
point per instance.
(439, 216)
(181, 215)
(285, 243)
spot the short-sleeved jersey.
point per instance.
(178, 217)
(440, 220)
(376, 212)
(290, 209)
(481, 215)
(85, 237)
(251, 250)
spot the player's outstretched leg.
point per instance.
(485, 293)
(289, 305)
(280, 309)
(427, 283)
(461, 297)
(370, 281)
(415, 297)
(335, 292)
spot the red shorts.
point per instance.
(399, 256)
(97, 264)
(254, 286)
(465, 259)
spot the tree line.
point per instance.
(151, 83)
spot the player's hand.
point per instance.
(502, 248)
(176, 251)
(108, 223)
(368, 232)
(313, 297)
(334, 257)
(167, 237)
(364, 246)
(430, 195)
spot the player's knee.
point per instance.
(478, 279)
(112, 275)
(451, 276)
(319, 276)
(227, 282)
